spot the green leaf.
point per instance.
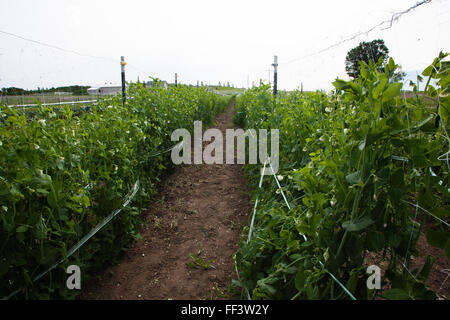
(428, 71)
(340, 84)
(432, 91)
(394, 240)
(423, 275)
(396, 294)
(16, 192)
(267, 288)
(444, 109)
(42, 191)
(392, 91)
(363, 71)
(237, 283)
(377, 240)
(358, 225)
(352, 282)
(353, 178)
(300, 280)
(383, 175)
(52, 200)
(42, 180)
(356, 88)
(21, 229)
(312, 293)
(437, 238)
(380, 88)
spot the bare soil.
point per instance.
(200, 210)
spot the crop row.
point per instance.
(61, 173)
(361, 168)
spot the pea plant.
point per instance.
(62, 172)
(360, 167)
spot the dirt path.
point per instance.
(200, 210)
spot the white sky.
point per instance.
(209, 40)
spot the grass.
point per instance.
(227, 90)
(199, 262)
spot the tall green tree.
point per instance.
(366, 51)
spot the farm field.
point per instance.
(202, 159)
(362, 183)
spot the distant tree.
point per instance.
(76, 90)
(13, 91)
(365, 51)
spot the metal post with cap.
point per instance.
(275, 74)
(122, 69)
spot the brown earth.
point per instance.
(200, 210)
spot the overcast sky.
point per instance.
(209, 40)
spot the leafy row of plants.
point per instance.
(62, 173)
(353, 164)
